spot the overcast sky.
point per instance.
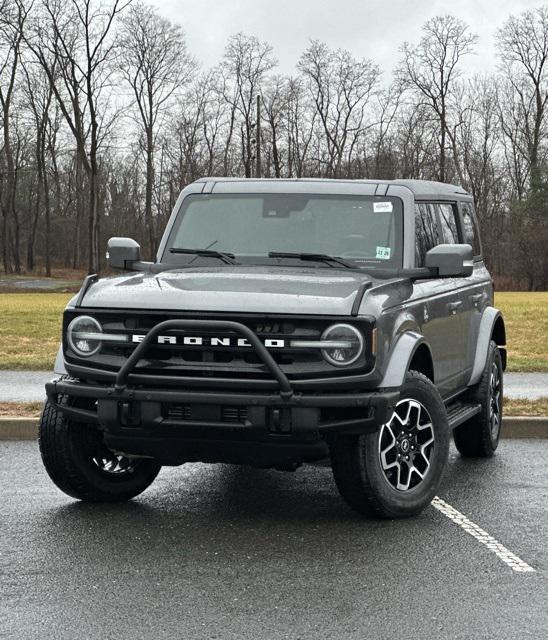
(368, 28)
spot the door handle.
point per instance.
(477, 297)
(453, 306)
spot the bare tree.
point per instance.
(155, 63)
(39, 95)
(341, 87)
(246, 63)
(275, 99)
(73, 42)
(68, 67)
(523, 47)
(301, 125)
(13, 15)
(430, 68)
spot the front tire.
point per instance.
(479, 437)
(82, 467)
(396, 471)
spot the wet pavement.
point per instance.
(38, 284)
(235, 553)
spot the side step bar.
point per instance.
(460, 412)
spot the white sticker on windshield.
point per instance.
(383, 253)
(382, 207)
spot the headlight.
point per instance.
(349, 343)
(85, 336)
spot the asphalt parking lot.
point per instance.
(226, 552)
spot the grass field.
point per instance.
(30, 329)
(526, 317)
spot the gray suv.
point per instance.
(285, 322)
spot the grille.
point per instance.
(219, 361)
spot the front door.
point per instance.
(439, 304)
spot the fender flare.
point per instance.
(400, 358)
(59, 366)
(488, 319)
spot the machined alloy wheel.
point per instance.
(111, 463)
(395, 472)
(406, 444)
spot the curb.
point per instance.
(513, 427)
(18, 428)
(525, 427)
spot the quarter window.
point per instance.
(469, 229)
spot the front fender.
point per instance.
(486, 330)
(399, 359)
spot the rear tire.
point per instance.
(395, 472)
(82, 467)
(479, 437)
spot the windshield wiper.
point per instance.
(313, 257)
(227, 258)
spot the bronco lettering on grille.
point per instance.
(213, 341)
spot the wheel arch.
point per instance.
(491, 327)
(499, 336)
(422, 361)
(411, 351)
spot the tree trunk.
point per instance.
(149, 221)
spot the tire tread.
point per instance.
(57, 439)
(473, 438)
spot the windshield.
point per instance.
(363, 230)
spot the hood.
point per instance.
(323, 291)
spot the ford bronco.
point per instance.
(285, 322)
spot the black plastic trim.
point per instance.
(359, 297)
(88, 281)
(381, 400)
(367, 380)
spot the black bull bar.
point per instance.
(377, 404)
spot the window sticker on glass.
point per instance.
(383, 253)
(382, 207)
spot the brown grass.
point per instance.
(20, 410)
(526, 407)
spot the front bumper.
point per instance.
(185, 424)
(177, 426)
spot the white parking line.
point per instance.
(515, 563)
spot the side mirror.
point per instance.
(451, 260)
(122, 253)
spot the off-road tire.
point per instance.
(68, 449)
(359, 473)
(476, 438)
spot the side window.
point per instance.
(469, 228)
(449, 233)
(426, 232)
